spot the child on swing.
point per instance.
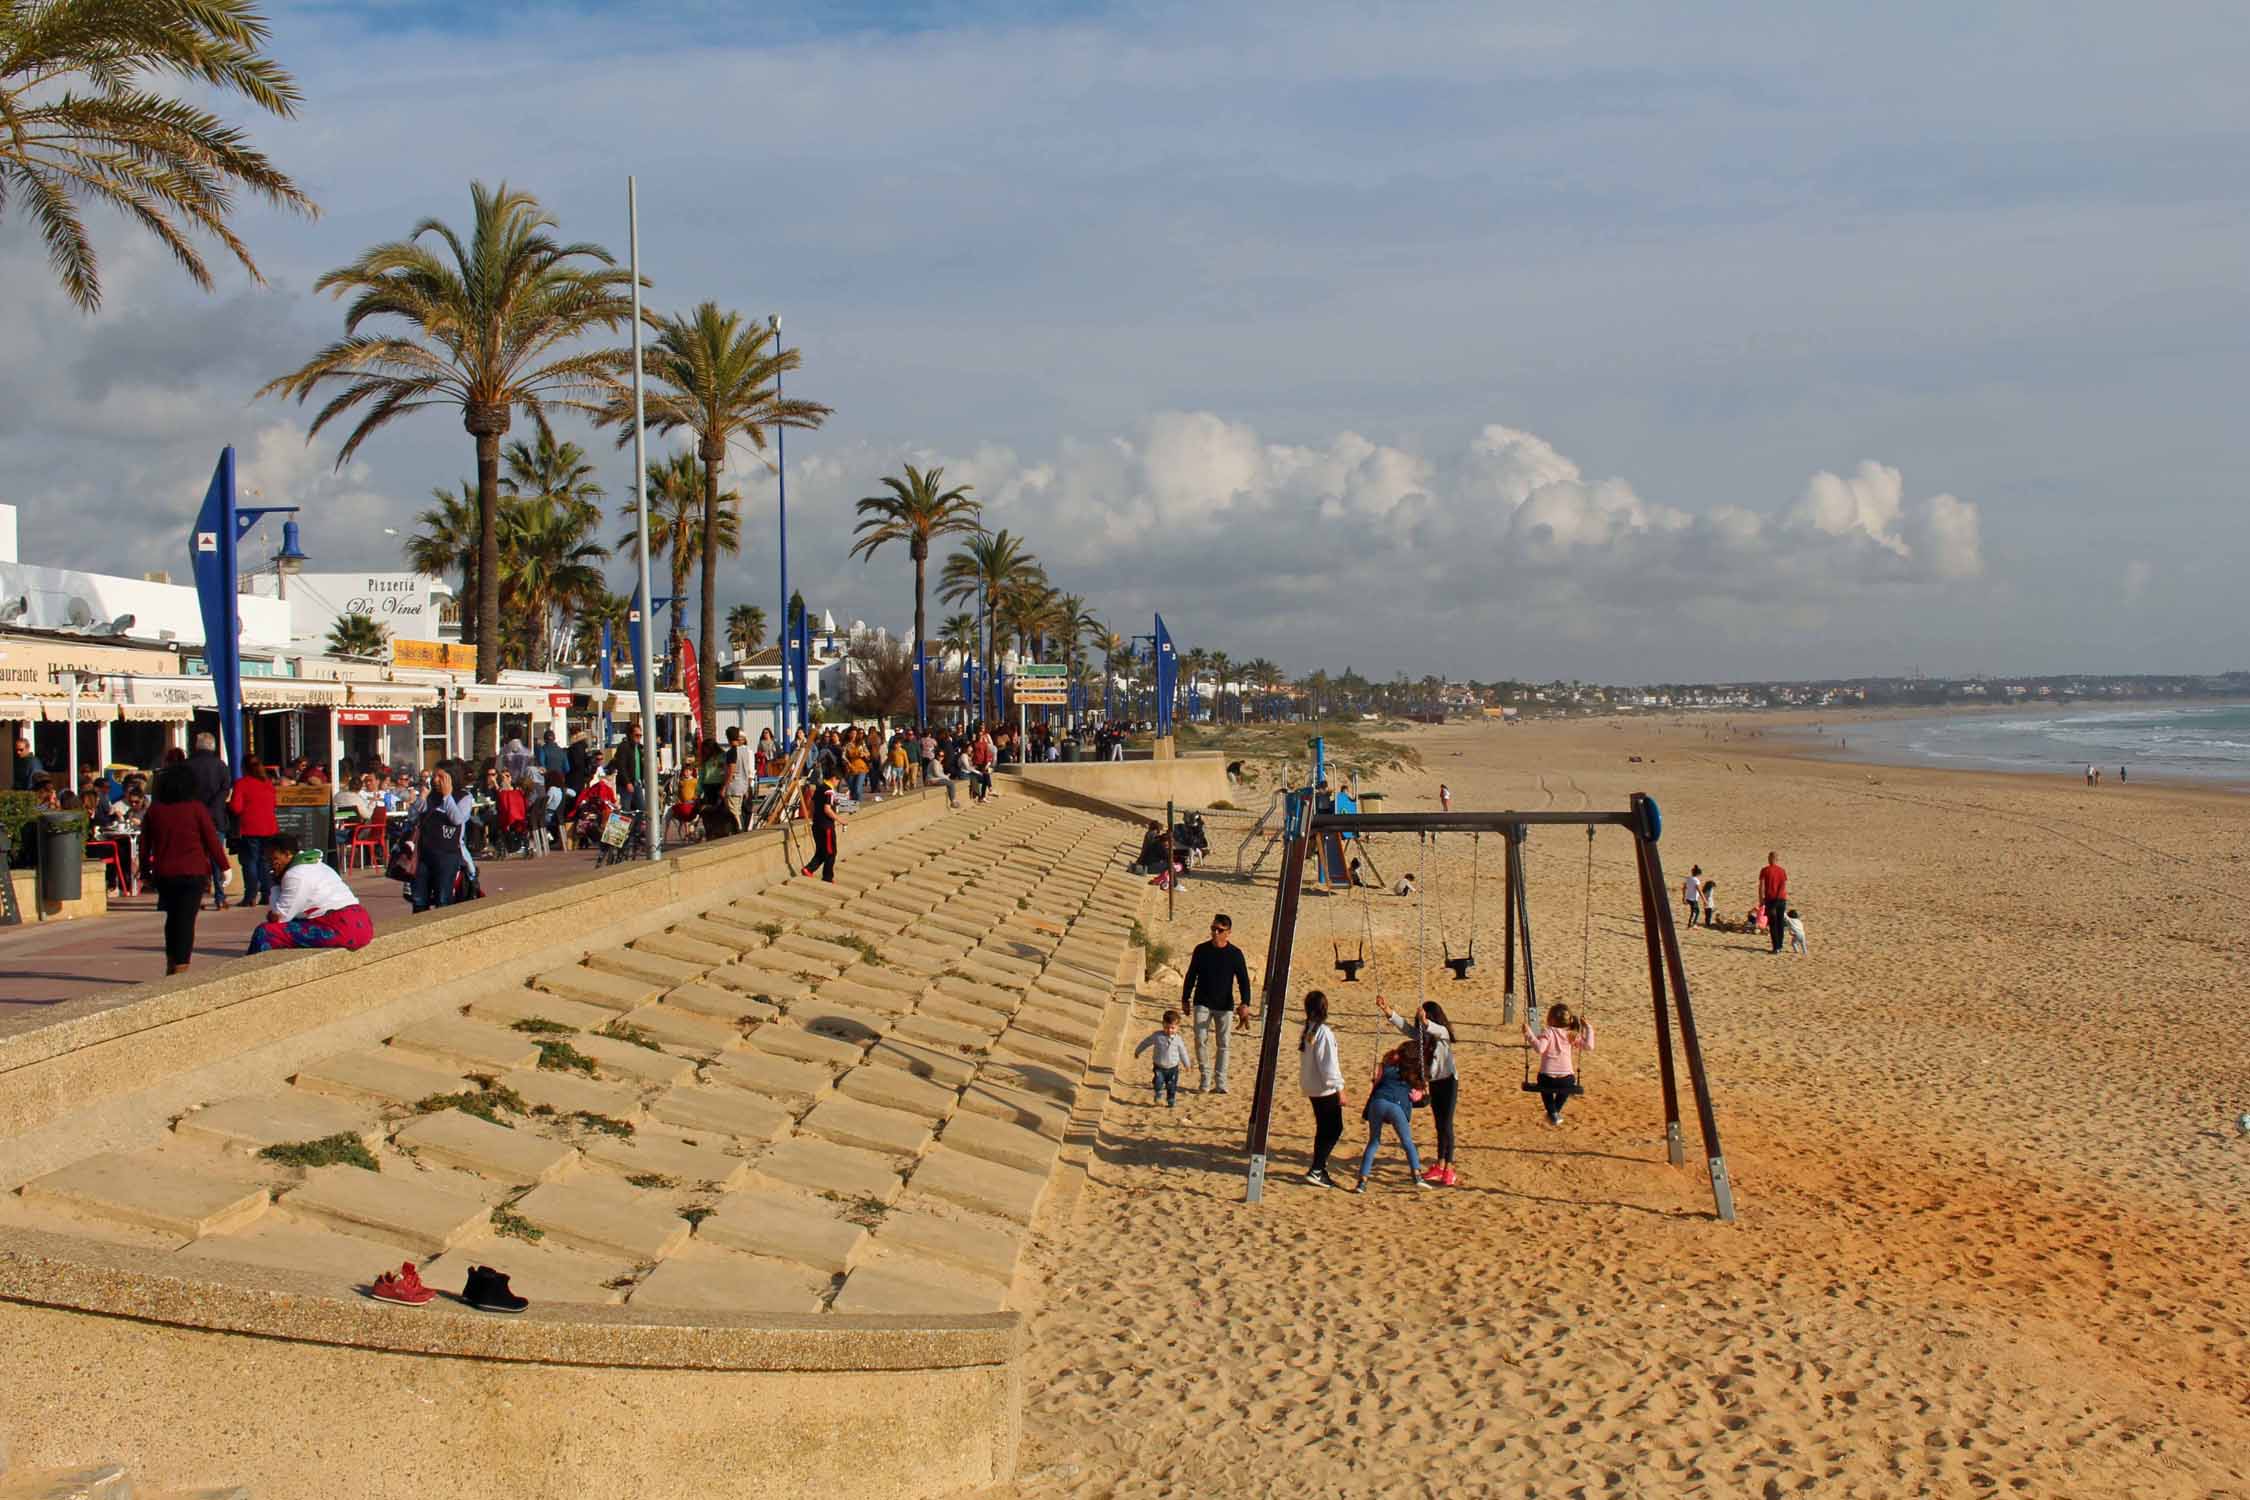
(1558, 1062)
(1398, 1088)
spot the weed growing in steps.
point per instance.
(770, 931)
(626, 1031)
(541, 1026)
(509, 1224)
(485, 1102)
(696, 1213)
(606, 1124)
(652, 1180)
(340, 1150)
(866, 950)
(561, 1057)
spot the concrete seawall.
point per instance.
(1192, 781)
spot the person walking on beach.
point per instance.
(213, 784)
(1433, 1037)
(183, 849)
(1557, 1045)
(1170, 1055)
(1444, 797)
(1710, 903)
(1773, 895)
(1691, 891)
(1215, 972)
(1397, 1089)
(1320, 1072)
(1796, 931)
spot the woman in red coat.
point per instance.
(252, 804)
(183, 850)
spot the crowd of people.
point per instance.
(1770, 916)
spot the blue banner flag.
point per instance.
(1167, 678)
(211, 555)
(921, 685)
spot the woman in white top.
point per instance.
(1434, 1032)
(1321, 1073)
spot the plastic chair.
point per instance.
(106, 850)
(371, 838)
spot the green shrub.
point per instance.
(342, 1149)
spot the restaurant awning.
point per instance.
(155, 713)
(628, 705)
(291, 692)
(500, 698)
(392, 695)
(21, 710)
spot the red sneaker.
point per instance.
(1435, 1174)
(403, 1286)
(1452, 1178)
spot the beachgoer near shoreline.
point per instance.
(1397, 1089)
(1320, 1073)
(1170, 1055)
(1691, 891)
(1557, 1046)
(1432, 1031)
(1215, 972)
(1773, 896)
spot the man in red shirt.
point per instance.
(1773, 894)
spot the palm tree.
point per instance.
(1111, 645)
(677, 489)
(485, 333)
(79, 123)
(557, 471)
(1193, 664)
(603, 610)
(358, 635)
(957, 636)
(1221, 665)
(916, 510)
(989, 565)
(719, 378)
(551, 569)
(447, 542)
(746, 629)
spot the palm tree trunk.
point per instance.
(707, 647)
(488, 425)
(921, 552)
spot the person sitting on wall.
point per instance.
(312, 906)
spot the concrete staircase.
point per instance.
(812, 1097)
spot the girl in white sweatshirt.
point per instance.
(1321, 1073)
(1433, 1033)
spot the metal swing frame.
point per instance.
(1667, 974)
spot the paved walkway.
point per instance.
(50, 970)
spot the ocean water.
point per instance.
(2206, 743)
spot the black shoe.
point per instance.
(487, 1290)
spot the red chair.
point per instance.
(106, 850)
(370, 837)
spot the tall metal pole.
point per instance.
(781, 526)
(644, 665)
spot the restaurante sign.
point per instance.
(443, 655)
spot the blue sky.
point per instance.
(1429, 337)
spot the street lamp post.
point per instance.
(781, 524)
(644, 667)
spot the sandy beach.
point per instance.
(1992, 1230)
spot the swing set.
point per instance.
(1308, 830)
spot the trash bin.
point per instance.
(1070, 749)
(62, 856)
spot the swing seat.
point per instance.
(1577, 1089)
(1349, 968)
(1461, 966)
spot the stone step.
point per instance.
(853, 1122)
(817, 1166)
(692, 1161)
(785, 1228)
(783, 1040)
(592, 986)
(835, 957)
(935, 1031)
(718, 1003)
(909, 1284)
(726, 1281)
(150, 1193)
(540, 1270)
(983, 1247)
(572, 1093)
(728, 1112)
(1066, 1027)
(1032, 1078)
(257, 1121)
(949, 1069)
(79, 1482)
(273, 1243)
(846, 1023)
(1021, 1048)
(895, 1088)
(605, 1216)
(205, 1492)
(688, 950)
(652, 968)
(864, 998)
(993, 1140)
(687, 1029)
(762, 978)
(783, 1079)
(378, 1076)
(978, 1185)
(471, 1046)
(989, 997)
(508, 1006)
(985, 1021)
(629, 1062)
(953, 924)
(914, 955)
(400, 1211)
(734, 939)
(454, 1139)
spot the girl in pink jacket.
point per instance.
(1557, 1046)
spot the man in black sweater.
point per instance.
(1213, 975)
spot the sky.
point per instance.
(1618, 341)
